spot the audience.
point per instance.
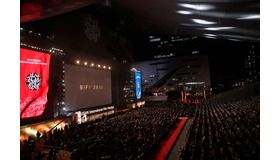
(224, 131)
(128, 136)
(219, 130)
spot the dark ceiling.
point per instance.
(236, 20)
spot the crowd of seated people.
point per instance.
(224, 131)
(129, 136)
(242, 92)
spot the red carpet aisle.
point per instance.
(162, 150)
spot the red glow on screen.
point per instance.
(34, 76)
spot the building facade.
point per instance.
(189, 75)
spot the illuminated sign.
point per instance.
(138, 85)
(98, 110)
(34, 76)
(91, 87)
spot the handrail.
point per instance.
(51, 129)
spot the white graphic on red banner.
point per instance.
(34, 76)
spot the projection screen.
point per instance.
(87, 87)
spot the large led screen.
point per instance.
(34, 76)
(138, 85)
(87, 87)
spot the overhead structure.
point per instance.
(235, 20)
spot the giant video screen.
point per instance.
(34, 77)
(87, 87)
(138, 85)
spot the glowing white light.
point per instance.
(109, 67)
(231, 39)
(200, 7)
(104, 67)
(239, 37)
(98, 66)
(188, 83)
(64, 108)
(249, 16)
(92, 64)
(192, 25)
(201, 21)
(210, 35)
(78, 62)
(30, 131)
(218, 28)
(85, 63)
(183, 12)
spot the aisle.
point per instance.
(174, 153)
(163, 148)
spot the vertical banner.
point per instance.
(138, 85)
(78, 117)
(34, 76)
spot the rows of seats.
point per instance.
(241, 92)
(129, 136)
(226, 130)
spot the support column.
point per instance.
(204, 93)
(182, 93)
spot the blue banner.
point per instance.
(138, 85)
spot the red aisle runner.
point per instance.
(162, 150)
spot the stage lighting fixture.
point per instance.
(210, 35)
(184, 12)
(249, 16)
(201, 21)
(232, 39)
(218, 28)
(199, 7)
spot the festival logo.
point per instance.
(34, 76)
(33, 81)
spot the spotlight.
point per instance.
(201, 21)
(200, 7)
(104, 67)
(92, 64)
(218, 28)
(183, 12)
(109, 67)
(98, 66)
(78, 62)
(85, 63)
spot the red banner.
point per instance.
(34, 76)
